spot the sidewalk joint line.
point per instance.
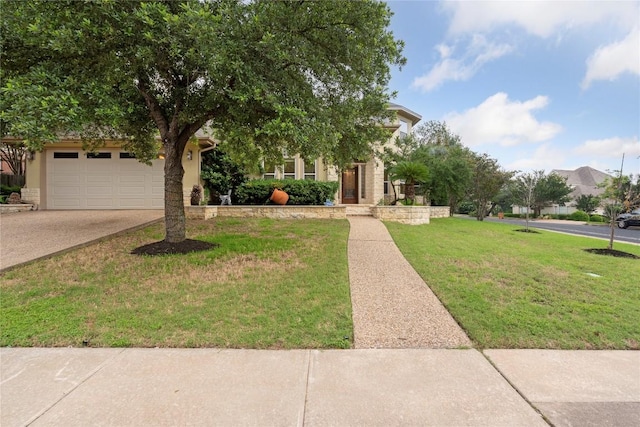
(517, 390)
(67, 393)
(306, 389)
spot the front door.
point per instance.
(350, 186)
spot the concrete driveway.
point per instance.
(27, 236)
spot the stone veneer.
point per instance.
(413, 215)
(269, 211)
(30, 195)
(404, 214)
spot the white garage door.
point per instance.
(108, 179)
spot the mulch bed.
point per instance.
(613, 252)
(167, 248)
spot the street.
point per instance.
(629, 235)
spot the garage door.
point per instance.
(108, 179)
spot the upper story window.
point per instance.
(404, 127)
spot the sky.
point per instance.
(537, 85)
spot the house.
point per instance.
(63, 176)
(584, 181)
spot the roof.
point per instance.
(412, 115)
(584, 180)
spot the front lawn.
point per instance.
(269, 284)
(527, 290)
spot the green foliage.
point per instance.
(578, 216)
(487, 180)
(440, 150)
(597, 218)
(7, 189)
(465, 207)
(300, 191)
(412, 173)
(221, 174)
(587, 203)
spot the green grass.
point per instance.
(511, 289)
(270, 284)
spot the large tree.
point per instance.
(487, 180)
(305, 77)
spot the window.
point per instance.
(310, 170)
(127, 156)
(404, 128)
(386, 182)
(289, 169)
(98, 155)
(64, 155)
(269, 170)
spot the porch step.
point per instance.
(359, 210)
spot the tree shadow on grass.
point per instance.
(524, 230)
(612, 252)
(167, 248)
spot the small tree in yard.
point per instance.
(524, 190)
(307, 77)
(412, 173)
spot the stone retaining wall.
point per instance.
(440, 212)
(413, 215)
(314, 212)
(9, 208)
(404, 214)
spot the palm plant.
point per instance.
(411, 173)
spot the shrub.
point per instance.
(597, 218)
(301, 192)
(579, 216)
(8, 189)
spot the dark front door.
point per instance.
(350, 186)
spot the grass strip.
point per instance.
(269, 284)
(510, 289)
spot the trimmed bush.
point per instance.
(579, 216)
(300, 191)
(597, 218)
(8, 189)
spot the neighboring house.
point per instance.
(584, 181)
(63, 176)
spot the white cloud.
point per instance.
(540, 18)
(610, 148)
(609, 61)
(546, 157)
(499, 120)
(477, 53)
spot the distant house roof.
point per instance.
(415, 117)
(584, 180)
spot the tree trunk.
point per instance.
(410, 192)
(175, 221)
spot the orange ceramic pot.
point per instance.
(279, 197)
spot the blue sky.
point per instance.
(535, 84)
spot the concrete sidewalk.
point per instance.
(169, 387)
